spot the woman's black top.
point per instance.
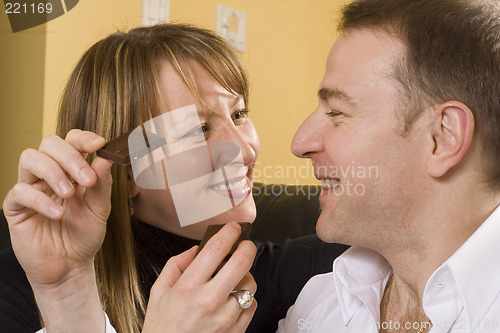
(280, 272)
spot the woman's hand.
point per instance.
(57, 215)
(185, 297)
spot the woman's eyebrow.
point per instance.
(236, 100)
(209, 109)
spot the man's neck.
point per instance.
(441, 235)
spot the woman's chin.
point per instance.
(245, 211)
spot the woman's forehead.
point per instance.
(207, 94)
(191, 73)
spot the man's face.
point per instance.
(370, 173)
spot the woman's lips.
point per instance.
(234, 188)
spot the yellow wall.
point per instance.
(287, 43)
(70, 35)
(22, 59)
(34, 65)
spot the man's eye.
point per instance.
(240, 116)
(333, 113)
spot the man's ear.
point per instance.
(133, 189)
(452, 132)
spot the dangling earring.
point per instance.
(130, 206)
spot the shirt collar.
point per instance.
(470, 277)
(360, 275)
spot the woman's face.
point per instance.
(209, 175)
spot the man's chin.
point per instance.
(328, 229)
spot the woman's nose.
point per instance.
(308, 140)
(237, 141)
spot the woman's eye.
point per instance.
(240, 116)
(197, 131)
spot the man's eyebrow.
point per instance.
(327, 93)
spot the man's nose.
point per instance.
(308, 139)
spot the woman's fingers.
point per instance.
(185, 286)
(247, 283)
(98, 197)
(173, 270)
(245, 318)
(58, 158)
(34, 165)
(235, 276)
(212, 254)
(70, 157)
(55, 168)
(84, 141)
(237, 319)
(235, 269)
(23, 198)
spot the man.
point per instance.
(411, 88)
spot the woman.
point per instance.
(120, 83)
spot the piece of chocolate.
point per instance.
(117, 150)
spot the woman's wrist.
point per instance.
(71, 305)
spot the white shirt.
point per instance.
(461, 296)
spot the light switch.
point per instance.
(155, 11)
(232, 24)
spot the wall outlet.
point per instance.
(232, 25)
(155, 11)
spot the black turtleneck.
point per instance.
(153, 248)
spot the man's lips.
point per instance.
(329, 184)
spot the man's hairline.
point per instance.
(390, 32)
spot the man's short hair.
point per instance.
(452, 53)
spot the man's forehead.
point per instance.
(359, 56)
(366, 46)
(360, 70)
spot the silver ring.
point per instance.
(243, 297)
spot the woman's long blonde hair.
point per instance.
(111, 91)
